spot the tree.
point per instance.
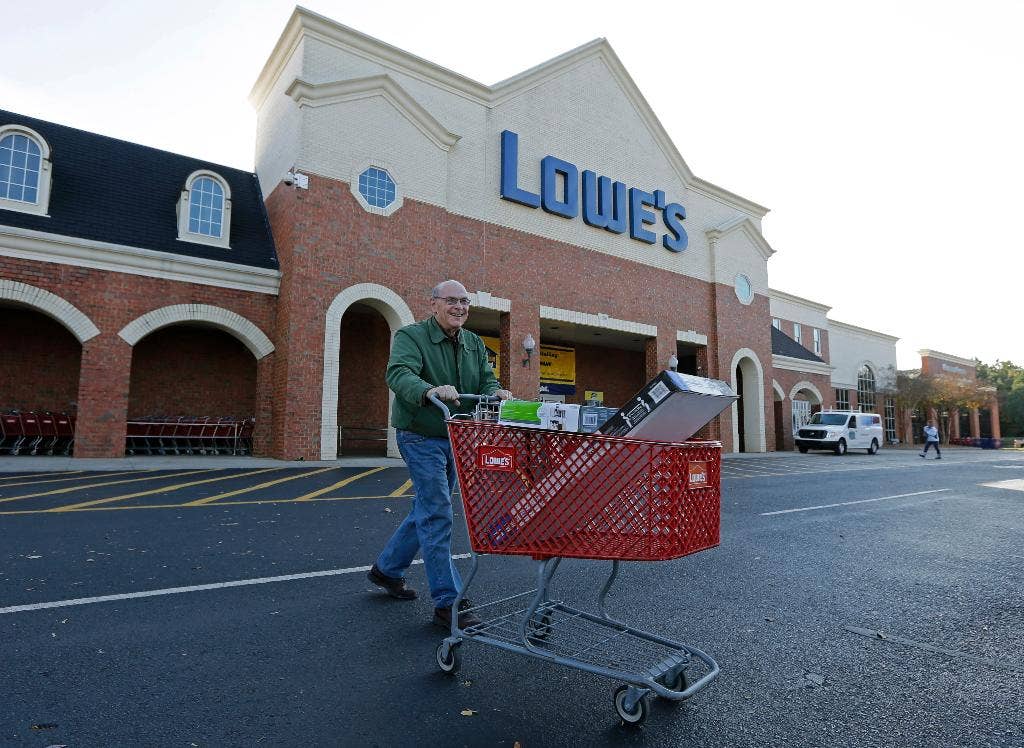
(1008, 379)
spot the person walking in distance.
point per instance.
(931, 439)
(433, 357)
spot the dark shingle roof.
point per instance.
(783, 345)
(110, 190)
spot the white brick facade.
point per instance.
(581, 107)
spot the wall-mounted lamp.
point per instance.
(673, 362)
(528, 345)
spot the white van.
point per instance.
(840, 430)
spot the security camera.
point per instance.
(289, 178)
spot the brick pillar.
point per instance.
(954, 424)
(261, 438)
(522, 381)
(975, 423)
(104, 379)
(993, 414)
(657, 352)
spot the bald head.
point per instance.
(449, 304)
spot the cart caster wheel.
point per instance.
(540, 627)
(450, 663)
(680, 683)
(640, 711)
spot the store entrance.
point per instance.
(577, 359)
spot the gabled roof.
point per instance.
(783, 345)
(328, 31)
(112, 191)
(746, 226)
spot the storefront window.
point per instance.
(890, 420)
(866, 389)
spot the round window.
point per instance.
(744, 291)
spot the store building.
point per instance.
(555, 196)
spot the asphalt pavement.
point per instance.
(854, 601)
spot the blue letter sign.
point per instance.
(607, 205)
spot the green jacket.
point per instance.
(423, 357)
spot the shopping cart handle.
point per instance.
(475, 398)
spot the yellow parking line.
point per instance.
(400, 491)
(63, 480)
(209, 499)
(97, 485)
(162, 489)
(339, 484)
(180, 506)
(64, 472)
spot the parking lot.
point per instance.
(853, 601)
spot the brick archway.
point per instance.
(397, 313)
(753, 401)
(224, 319)
(52, 306)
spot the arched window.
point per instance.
(866, 389)
(204, 210)
(24, 170)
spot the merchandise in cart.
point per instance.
(556, 494)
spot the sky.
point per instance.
(887, 138)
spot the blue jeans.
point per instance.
(429, 524)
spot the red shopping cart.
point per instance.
(554, 495)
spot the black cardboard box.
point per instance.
(671, 407)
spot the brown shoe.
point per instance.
(394, 587)
(443, 616)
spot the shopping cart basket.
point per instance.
(554, 495)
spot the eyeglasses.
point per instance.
(453, 301)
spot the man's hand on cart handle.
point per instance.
(444, 392)
(503, 394)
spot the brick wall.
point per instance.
(326, 242)
(191, 371)
(618, 373)
(111, 301)
(39, 362)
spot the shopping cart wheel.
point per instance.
(679, 683)
(640, 710)
(540, 627)
(450, 663)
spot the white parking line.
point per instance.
(194, 588)
(847, 503)
(1013, 485)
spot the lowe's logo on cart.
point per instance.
(496, 458)
(608, 205)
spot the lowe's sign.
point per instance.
(605, 204)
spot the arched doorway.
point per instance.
(806, 400)
(779, 413)
(748, 422)
(195, 363)
(41, 336)
(362, 391)
(396, 313)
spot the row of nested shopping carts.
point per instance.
(37, 433)
(554, 495)
(185, 435)
(46, 433)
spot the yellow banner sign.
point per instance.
(557, 365)
(493, 353)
